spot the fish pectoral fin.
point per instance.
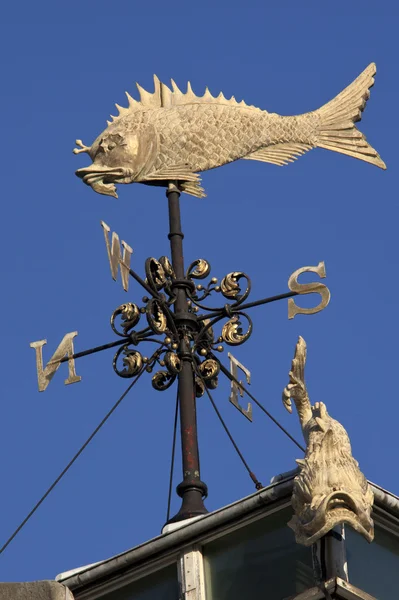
(189, 182)
(279, 154)
(193, 188)
(174, 173)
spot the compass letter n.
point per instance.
(236, 389)
(44, 376)
(116, 260)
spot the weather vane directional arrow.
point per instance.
(166, 139)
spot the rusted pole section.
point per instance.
(192, 490)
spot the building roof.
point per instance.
(166, 547)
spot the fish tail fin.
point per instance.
(337, 130)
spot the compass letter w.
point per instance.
(44, 376)
(116, 260)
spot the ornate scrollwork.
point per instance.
(162, 284)
(209, 369)
(132, 362)
(199, 269)
(167, 267)
(156, 317)
(172, 362)
(232, 332)
(130, 316)
(199, 387)
(155, 273)
(205, 338)
(162, 380)
(213, 383)
(230, 287)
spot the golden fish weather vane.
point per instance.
(167, 138)
(172, 136)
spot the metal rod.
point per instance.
(139, 280)
(267, 300)
(248, 305)
(94, 350)
(192, 490)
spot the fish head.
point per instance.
(330, 489)
(118, 155)
(326, 510)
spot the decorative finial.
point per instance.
(330, 488)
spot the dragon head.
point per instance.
(330, 489)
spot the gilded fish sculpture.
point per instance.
(330, 488)
(173, 136)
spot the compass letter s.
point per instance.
(44, 376)
(308, 288)
(115, 256)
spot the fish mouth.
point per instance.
(338, 507)
(103, 179)
(341, 500)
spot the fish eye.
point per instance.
(107, 144)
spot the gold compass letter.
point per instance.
(236, 389)
(308, 288)
(115, 256)
(44, 376)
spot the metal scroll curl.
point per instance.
(231, 288)
(209, 369)
(199, 269)
(132, 362)
(232, 332)
(213, 383)
(167, 267)
(172, 363)
(130, 316)
(155, 273)
(156, 317)
(199, 387)
(162, 380)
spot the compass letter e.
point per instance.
(44, 376)
(308, 288)
(236, 389)
(116, 260)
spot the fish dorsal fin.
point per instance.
(163, 96)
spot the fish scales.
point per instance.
(171, 136)
(206, 136)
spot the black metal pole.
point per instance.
(192, 490)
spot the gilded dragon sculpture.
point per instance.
(329, 488)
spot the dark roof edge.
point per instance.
(280, 489)
(385, 499)
(194, 529)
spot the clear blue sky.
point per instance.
(64, 67)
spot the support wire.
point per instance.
(252, 475)
(240, 385)
(172, 460)
(71, 462)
